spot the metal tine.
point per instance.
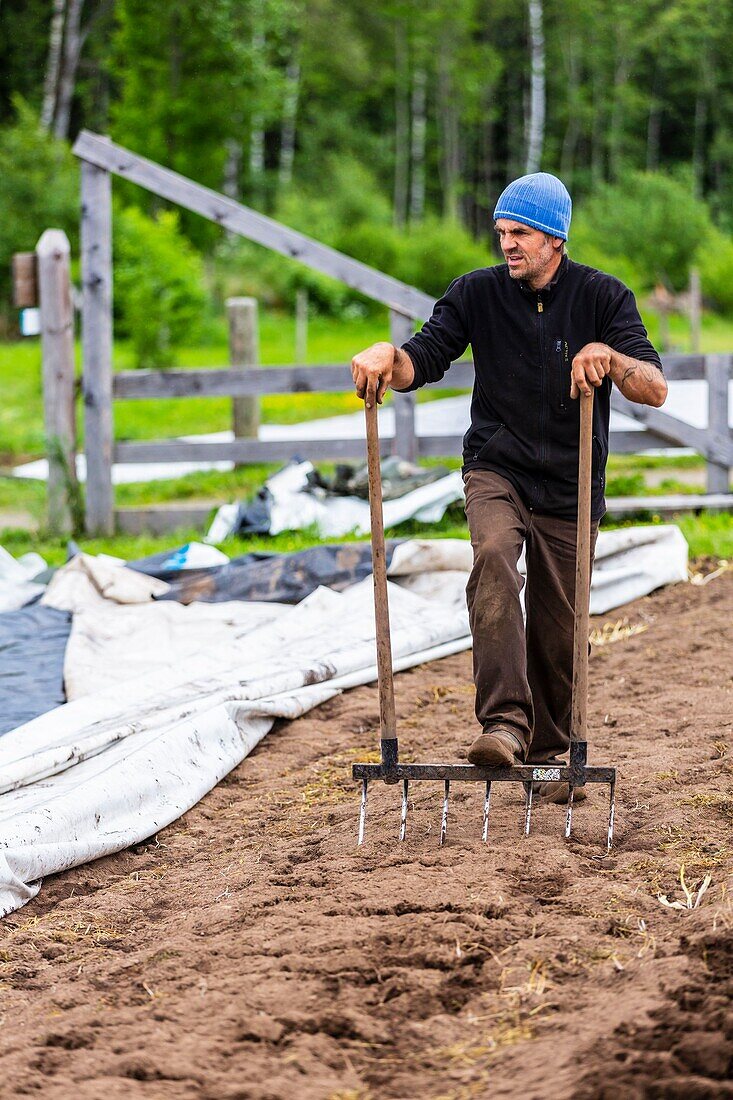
(569, 815)
(487, 803)
(444, 822)
(362, 811)
(403, 817)
(527, 808)
(611, 815)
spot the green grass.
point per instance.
(709, 535)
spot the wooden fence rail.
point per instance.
(660, 429)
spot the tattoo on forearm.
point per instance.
(627, 374)
(646, 372)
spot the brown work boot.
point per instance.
(496, 747)
(558, 792)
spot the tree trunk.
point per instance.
(620, 76)
(232, 168)
(402, 124)
(53, 65)
(572, 127)
(486, 183)
(597, 150)
(67, 79)
(698, 145)
(450, 147)
(515, 124)
(288, 130)
(417, 145)
(257, 134)
(536, 125)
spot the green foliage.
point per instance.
(39, 190)
(587, 246)
(653, 220)
(435, 252)
(715, 261)
(158, 291)
(196, 84)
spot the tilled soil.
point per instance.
(250, 951)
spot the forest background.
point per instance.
(386, 129)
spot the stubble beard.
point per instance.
(533, 269)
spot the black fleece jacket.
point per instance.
(523, 424)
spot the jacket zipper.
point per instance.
(543, 401)
(561, 373)
(498, 432)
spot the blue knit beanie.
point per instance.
(539, 200)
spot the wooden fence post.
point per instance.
(405, 440)
(57, 352)
(695, 297)
(301, 326)
(717, 372)
(244, 352)
(96, 273)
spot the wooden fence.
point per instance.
(101, 159)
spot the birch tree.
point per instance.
(53, 65)
(536, 120)
(402, 122)
(70, 61)
(418, 122)
(288, 128)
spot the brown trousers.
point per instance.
(523, 674)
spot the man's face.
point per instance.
(529, 253)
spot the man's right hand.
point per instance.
(378, 367)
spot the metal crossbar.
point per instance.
(575, 774)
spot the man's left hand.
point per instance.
(590, 367)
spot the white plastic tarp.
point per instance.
(294, 506)
(115, 766)
(168, 699)
(17, 586)
(629, 562)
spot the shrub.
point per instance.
(652, 220)
(39, 190)
(586, 246)
(715, 260)
(159, 292)
(435, 252)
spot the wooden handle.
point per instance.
(579, 714)
(387, 721)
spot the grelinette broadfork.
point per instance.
(577, 772)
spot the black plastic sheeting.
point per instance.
(278, 578)
(32, 647)
(157, 565)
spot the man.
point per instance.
(542, 329)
